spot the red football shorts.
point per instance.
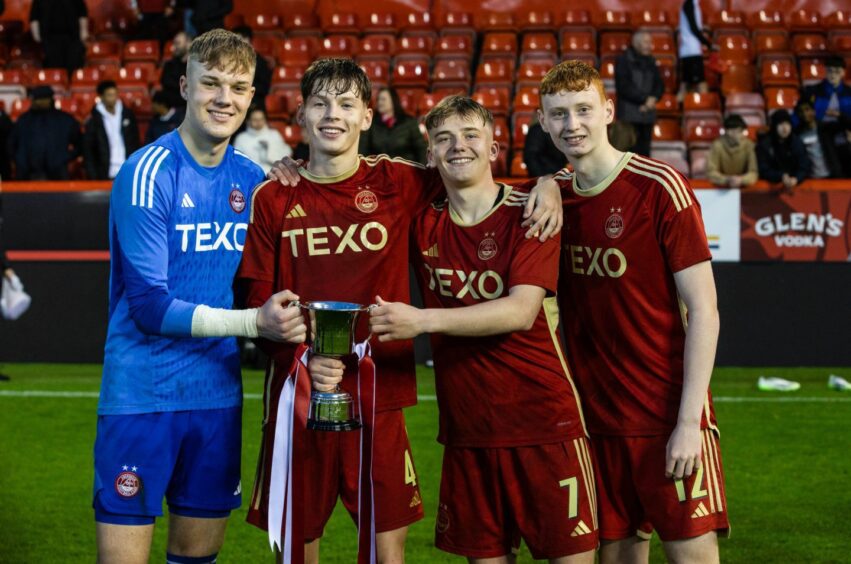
(492, 497)
(635, 496)
(331, 471)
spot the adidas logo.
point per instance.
(187, 201)
(431, 252)
(297, 211)
(700, 511)
(581, 529)
(416, 500)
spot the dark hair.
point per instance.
(398, 110)
(105, 85)
(834, 61)
(244, 31)
(734, 121)
(337, 75)
(160, 97)
(462, 106)
(253, 109)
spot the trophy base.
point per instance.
(351, 425)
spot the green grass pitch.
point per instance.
(786, 458)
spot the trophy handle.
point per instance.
(369, 309)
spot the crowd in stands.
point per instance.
(732, 96)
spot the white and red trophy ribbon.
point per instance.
(286, 481)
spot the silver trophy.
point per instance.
(332, 334)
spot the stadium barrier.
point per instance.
(782, 265)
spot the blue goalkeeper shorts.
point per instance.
(192, 458)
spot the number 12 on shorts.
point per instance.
(572, 485)
(697, 490)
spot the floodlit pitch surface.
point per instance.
(787, 458)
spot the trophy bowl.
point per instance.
(332, 334)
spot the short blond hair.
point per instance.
(572, 76)
(223, 50)
(457, 105)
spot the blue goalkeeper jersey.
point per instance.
(176, 231)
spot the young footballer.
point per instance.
(342, 234)
(641, 326)
(516, 462)
(170, 410)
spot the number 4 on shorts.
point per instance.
(410, 473)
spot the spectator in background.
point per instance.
(831, 99)
(60, 26)
(262, 72)
(261, 143)
(153, 16)
(44, 140)
(209, 14)
(638, 84)
(173, 69)
(692, 41)
(539, 153)
(818, 139)
(394, 132)
(732, 157)
(166, 118)
(111, 134)
(781, 155)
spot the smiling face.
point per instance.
(576, 121)
(217, 99)
(462, 148)
(332, 121)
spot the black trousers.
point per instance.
(643, 136)
(63, 52)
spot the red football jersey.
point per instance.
(503, 390)
(623, 320)
(344, 238)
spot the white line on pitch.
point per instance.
(717, 399)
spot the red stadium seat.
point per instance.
(456, 22)
(668, 70)
(87, 78)
(454, 47)
(727, 19)
(114, 28)
(287, 76)
(85, 101)
(668, 106)
(381, 22)
(410, 97)
(266, 26)
(518, 167)
(277, 106)
(702, 131)
(338, 46)
(500, 132)
(341, 23)
(520, 123)
(137, 73)
(298, 24)
(18, 107)
(495, 21)
(291, 134)
(414, 46)
(779, 72)
(527, 99)
(297, 51)
(738, 78)
(24, 57)
(607, 72)
(290, 96)
(735, 49)
(495, 72)
(451, 73)
(703, 106)
(71, 106)
(780, 97)
(770, 41)
(499, 45)
(377, 46)
(613, 20)
(538, 44)
(804, 21)
(411, 73)
(142, 50)
(667, 130)
(577, 41)
(378, 71)
(12, 86)
(266, 46)
(809, 44)
(614, 42)
(653, 20)
(739, 100)
(530, 73)
(535, 20)
(813, 71)
(427, 101)
(764, 19)
(663, 43)
(417, 23)
(839, 43)
(55, 78)
(103, 48)
(493, 98)
(138, 100)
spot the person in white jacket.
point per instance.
(261, 143)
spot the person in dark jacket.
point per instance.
(44, 140)
(540, 154)
(61, 26)
(174, 68)
(393, 132)
(818, 140)
(831, 99)
(639, 86)
(210, 14)
(262, 71)
(111, 134)
(166, 118)
(781, 155)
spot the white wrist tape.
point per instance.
(215, 322)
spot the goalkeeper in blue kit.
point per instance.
(170, 409)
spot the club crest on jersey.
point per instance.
(488, 247)
(236, 199)
(366, 200)
(128, 483)
(614, 223)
